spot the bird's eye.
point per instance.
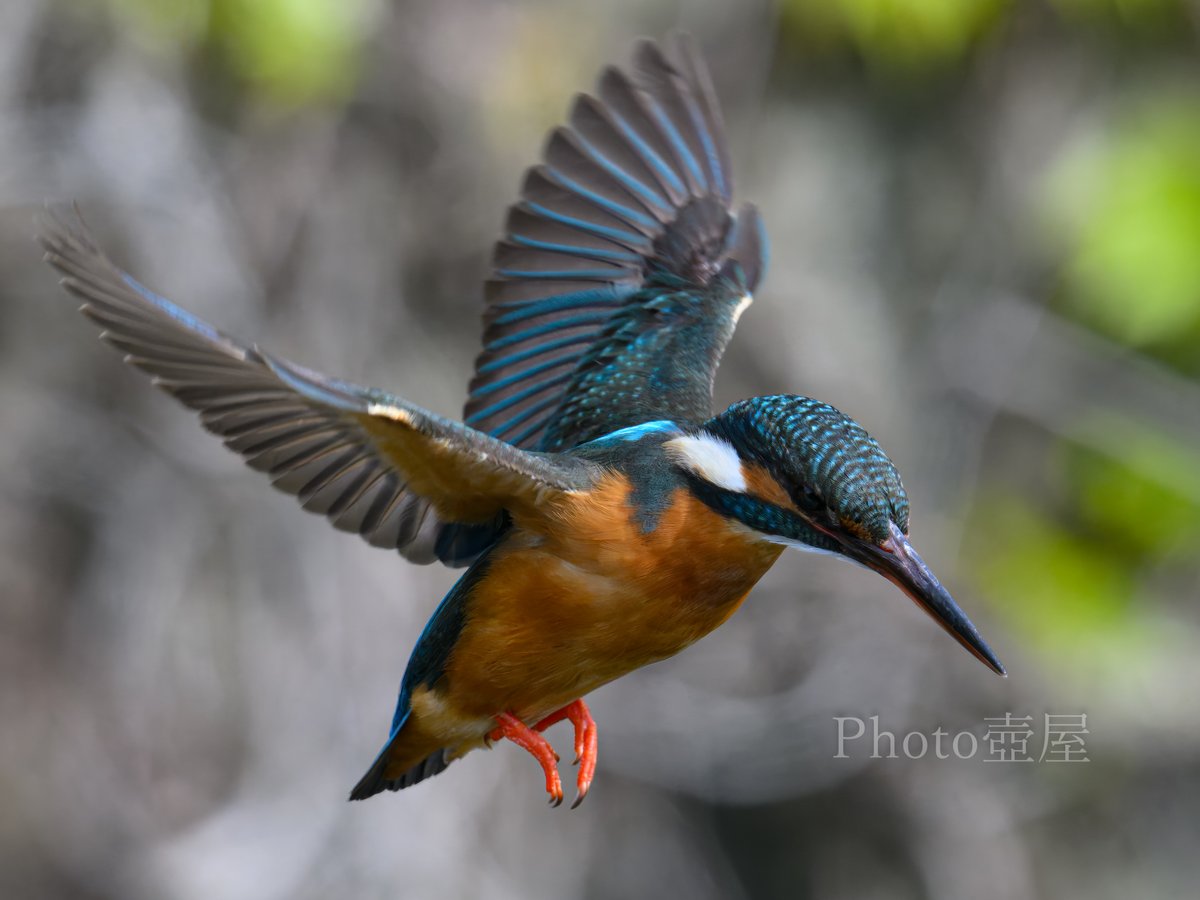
(809, 495)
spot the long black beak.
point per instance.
(899, 563)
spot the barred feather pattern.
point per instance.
(821, 456)
(630, 205)
(350, 453)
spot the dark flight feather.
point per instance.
(622, 269)
(373, 464)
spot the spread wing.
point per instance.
(622, 272)
(372, 463)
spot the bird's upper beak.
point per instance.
(898, 562)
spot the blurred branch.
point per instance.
(1026, 360)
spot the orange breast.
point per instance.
(584, 596)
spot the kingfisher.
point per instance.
(607, 517)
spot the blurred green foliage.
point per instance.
(288, 52)
(296, 50)
(1147, 503)
(165, 22)
(1139, 15)
(1127, 203)
(1067, 572)
(909, 35)
(1048, 582)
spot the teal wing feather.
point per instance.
(623, 269)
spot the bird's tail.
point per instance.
(376, 781)
(407, 754)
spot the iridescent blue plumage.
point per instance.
(609, 519)
(623, 268)
(810, 446)
(621, 274)
(656, 356)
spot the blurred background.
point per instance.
(992, 206)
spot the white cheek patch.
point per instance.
(711, 458)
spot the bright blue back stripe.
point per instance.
(636, 432)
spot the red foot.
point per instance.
(586, 743)
(586, 746)
(527, 739)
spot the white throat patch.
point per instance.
(711, 458)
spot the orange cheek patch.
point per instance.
(856, 529)
(760, 483)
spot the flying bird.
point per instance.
(607, 517)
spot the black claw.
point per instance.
(578, 800)
(556, 802)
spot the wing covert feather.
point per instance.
(371, 463)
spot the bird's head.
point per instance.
(801, 473)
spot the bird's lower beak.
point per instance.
(899, 563)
